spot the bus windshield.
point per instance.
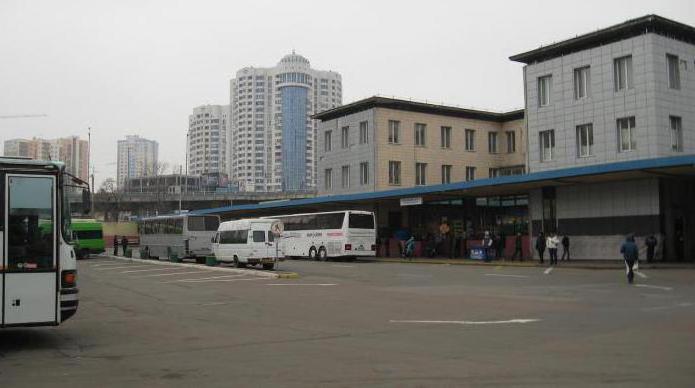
(66, 214)
(361, 221)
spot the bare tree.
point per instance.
(108, 186)
(161, 168)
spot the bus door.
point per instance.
(29, 267)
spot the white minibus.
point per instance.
(249, 241)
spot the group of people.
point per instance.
(551, 242)
(124, 244)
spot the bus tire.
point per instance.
(323, 255)
(238, 264)
(312, 253)
(199, 260)
(268, 266)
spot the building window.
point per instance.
(676, 134)
(544, 86)
(328, 141)
(622, 73)
(585, 140)
(492, 142)
(345, 137)
(674, 74)
(470, 173)
(364, 133)
(446, 173)
(420, 174)
(581, 83)
(394, 131)
(547, 143)
(493, 172)
(394, 172)
(470, 140)
(420, 133)
(345, 176)
(446, 137)
(626, 134)
(511, 142)
(364, 173)
(328, 178)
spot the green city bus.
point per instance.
(88, 237)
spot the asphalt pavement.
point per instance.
(362, 324)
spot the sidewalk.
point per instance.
(582, 264)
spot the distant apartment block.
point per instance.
(207, 139)
(383, 143)
(272, 142)
(137, 157)
(70, 150)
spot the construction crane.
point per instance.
(22, 116)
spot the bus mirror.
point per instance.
(86, 201)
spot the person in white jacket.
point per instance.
(552, 242)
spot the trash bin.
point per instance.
(174, 258)
(210, 261)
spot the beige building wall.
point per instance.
(435, 155)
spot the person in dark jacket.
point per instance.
(115, 245)
(124, 242)
(518, 243)
(540, 245)
(565, 247)
(650, 242)
(631, 255)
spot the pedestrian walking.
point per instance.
(518, 243)
(115, 245)
(540, 245)
(487, 244)
(552, 243)
(409, 248)
(650, 242)
(565, 247)
(630, 255)
(124, 243)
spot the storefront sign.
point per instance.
(411, 201)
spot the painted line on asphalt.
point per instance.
(222, 280)
(548, 271)
(343, 266)
(654, 287)
(170, 274)
(469, 322)
(152, 269)
(106, 264)
(208, 278)
(506, 276)
(640, 274)
(128, 266)
(302, 284)
(684, 304)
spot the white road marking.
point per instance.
(469, 322)
(654, 287)
(301, 284)
(640, 274)
(208, 278)
(215, 304)
(171, 274)
(685, 304)
(152, 269)
(106, 264)
(548, 271)
(128, 266)
(343, 266)
(222, 280)
(507, 276)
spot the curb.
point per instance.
(612, 265)
(267, 274)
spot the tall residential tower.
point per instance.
(272, 135)
(207, 139)
(136, 157)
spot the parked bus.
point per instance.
(321, 236)
(250, 241)
(187, 236)
(38, 270)
(88, 237)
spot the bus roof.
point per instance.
(311, 214)
(175, 216)
(245, 223)
(32, 163)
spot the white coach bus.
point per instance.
(184, 235)
(321, 236)
(38, 269)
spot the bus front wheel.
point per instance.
(323, 255)
(312, 253)
(269, 266)
(238, 264)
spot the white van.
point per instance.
(249, 241)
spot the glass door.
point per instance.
(30, 270)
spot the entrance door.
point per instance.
(29, 244)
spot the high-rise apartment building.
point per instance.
(207, 139)
(272, 140)
(70, 150)
(137, 157)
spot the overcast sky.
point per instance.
(139, 67)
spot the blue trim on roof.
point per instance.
(673, 161)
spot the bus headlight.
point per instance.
(68, 279)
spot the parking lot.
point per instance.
(353, 324)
